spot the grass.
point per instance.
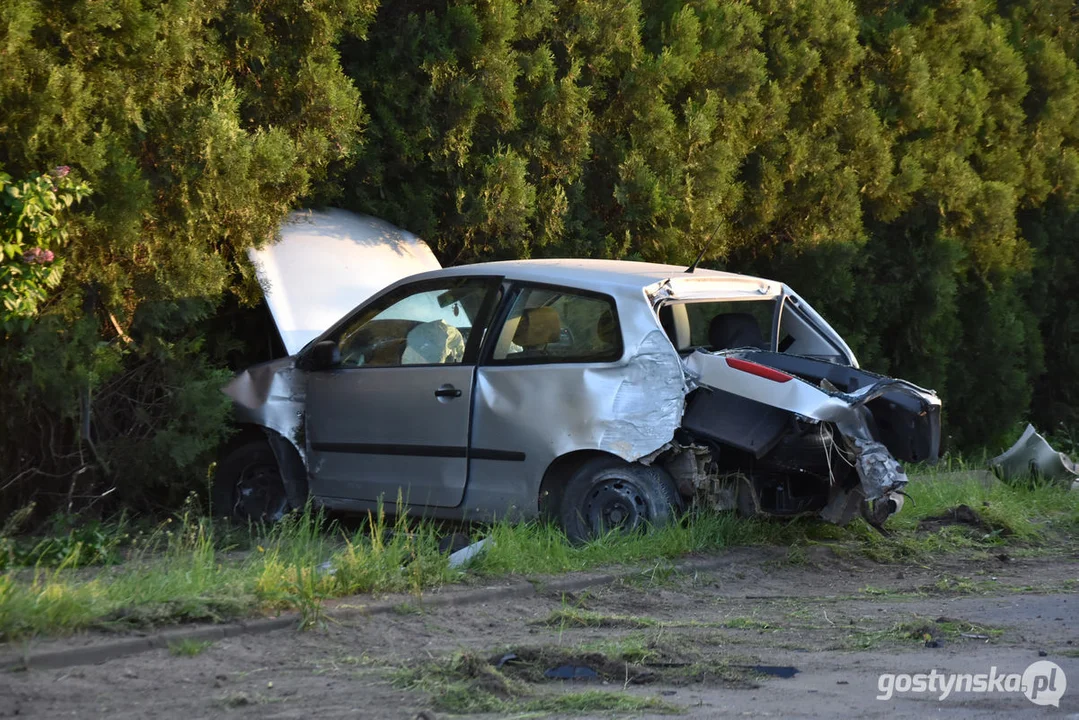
(566, 618)
(188, 648)
(922, 631)
(467, 684)
(190, 569)
(91, 543)
(1023, 510)
(743, 623)
(179, 574)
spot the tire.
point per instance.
(607, 493)
(248, 484)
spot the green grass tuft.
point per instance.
(188, 648)
(577, 618)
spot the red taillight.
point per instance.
(759, 370)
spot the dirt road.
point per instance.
(707, 644)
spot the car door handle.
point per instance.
(447, 391)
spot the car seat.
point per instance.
(735, 330)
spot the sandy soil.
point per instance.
(839, 621)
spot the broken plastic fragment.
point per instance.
(507, 658)
(467, 554)
(1033, 456)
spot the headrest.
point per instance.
(734, 330)
(538, 326)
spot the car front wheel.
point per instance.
(248, 484)
(609, 494)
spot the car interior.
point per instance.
(715, 326)
(729, 325)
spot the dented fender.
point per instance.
(271, 395)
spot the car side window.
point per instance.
(553, 325)
(799, 336)
(416, 325)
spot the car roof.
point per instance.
(595, 274)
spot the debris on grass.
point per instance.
(466, 554)
(520, 679)
(1033, 458)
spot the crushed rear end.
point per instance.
(780, 433)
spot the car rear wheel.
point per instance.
(248, 484)
(607, 494)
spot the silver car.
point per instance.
(606, 394)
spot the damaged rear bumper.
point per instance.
(751, 398)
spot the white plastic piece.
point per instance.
(467, 554)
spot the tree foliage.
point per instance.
(199, 124)
(911, 167)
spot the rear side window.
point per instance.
(799, 336)
(555, 325)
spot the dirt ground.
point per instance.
(691, 640)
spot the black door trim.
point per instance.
(447, 451)
(485, 454)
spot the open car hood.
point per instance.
(327, 262)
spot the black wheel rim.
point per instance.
(615, 503)
(260, 494)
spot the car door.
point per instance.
(392, 416)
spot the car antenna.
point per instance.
(707, 244)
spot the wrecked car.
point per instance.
(606, 394)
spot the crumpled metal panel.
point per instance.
(878, 470)
(880, 473)
(797, 395)
(1032, 455)
(629, 409)
(271, 395)
(648, 402)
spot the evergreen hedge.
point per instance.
(912, 168)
